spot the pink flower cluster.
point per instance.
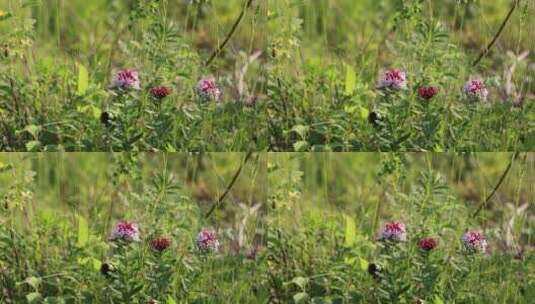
(208, 90)
(393, 79)
(129, 232)
(475, 90)
(125, 79)
(394, 231)
(474, 241)
(207, 241)
(125, 231)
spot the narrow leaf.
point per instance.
(351, 80)
(83, 231)
(350, 231)
(83, 79)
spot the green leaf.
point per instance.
(301, 146)
(438, 300)
(33, 297)
(350, 231)
(301, 130)
(300, 297)
(83, 79)
(170, 148)
(5, 167)
(364, 113)
(90, 110)
(96, 264)
(34, 282)
(83, 231)
(170, 300)
(32, 129)
(350, 260)
(363, 264)
(301, 282)
(47, 216)
(33, 146)
(351, 80)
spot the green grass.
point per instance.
(327, 57)
(58, 211)
(328, 209)
(59, 56)
(311, 220)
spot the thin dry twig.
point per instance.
(500, 182)
(230, 34)
(230, 185)
(498, 33)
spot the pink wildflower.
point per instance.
(393, 79)
(474, 241)
(427, 92)
(125, 79)
(207, 240)
(394, 231)
(160, 244)
(160, 92)
(125, 231)
(208, 90)
(476, 90)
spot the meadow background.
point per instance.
(327, 57)
(302, 72)
(58, 58)
(294, 227)
(58, 211)
(328, 211)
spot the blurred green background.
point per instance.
(57, 211)
(365, 33)
(93, 184)
(348, 28)
(97, 33)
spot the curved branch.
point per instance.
(500, 182)
(497, 35)
(230, 185)
(230, 34)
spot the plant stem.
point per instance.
(500, 181)
(230, 185)
(230, 34)
(497, 35)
